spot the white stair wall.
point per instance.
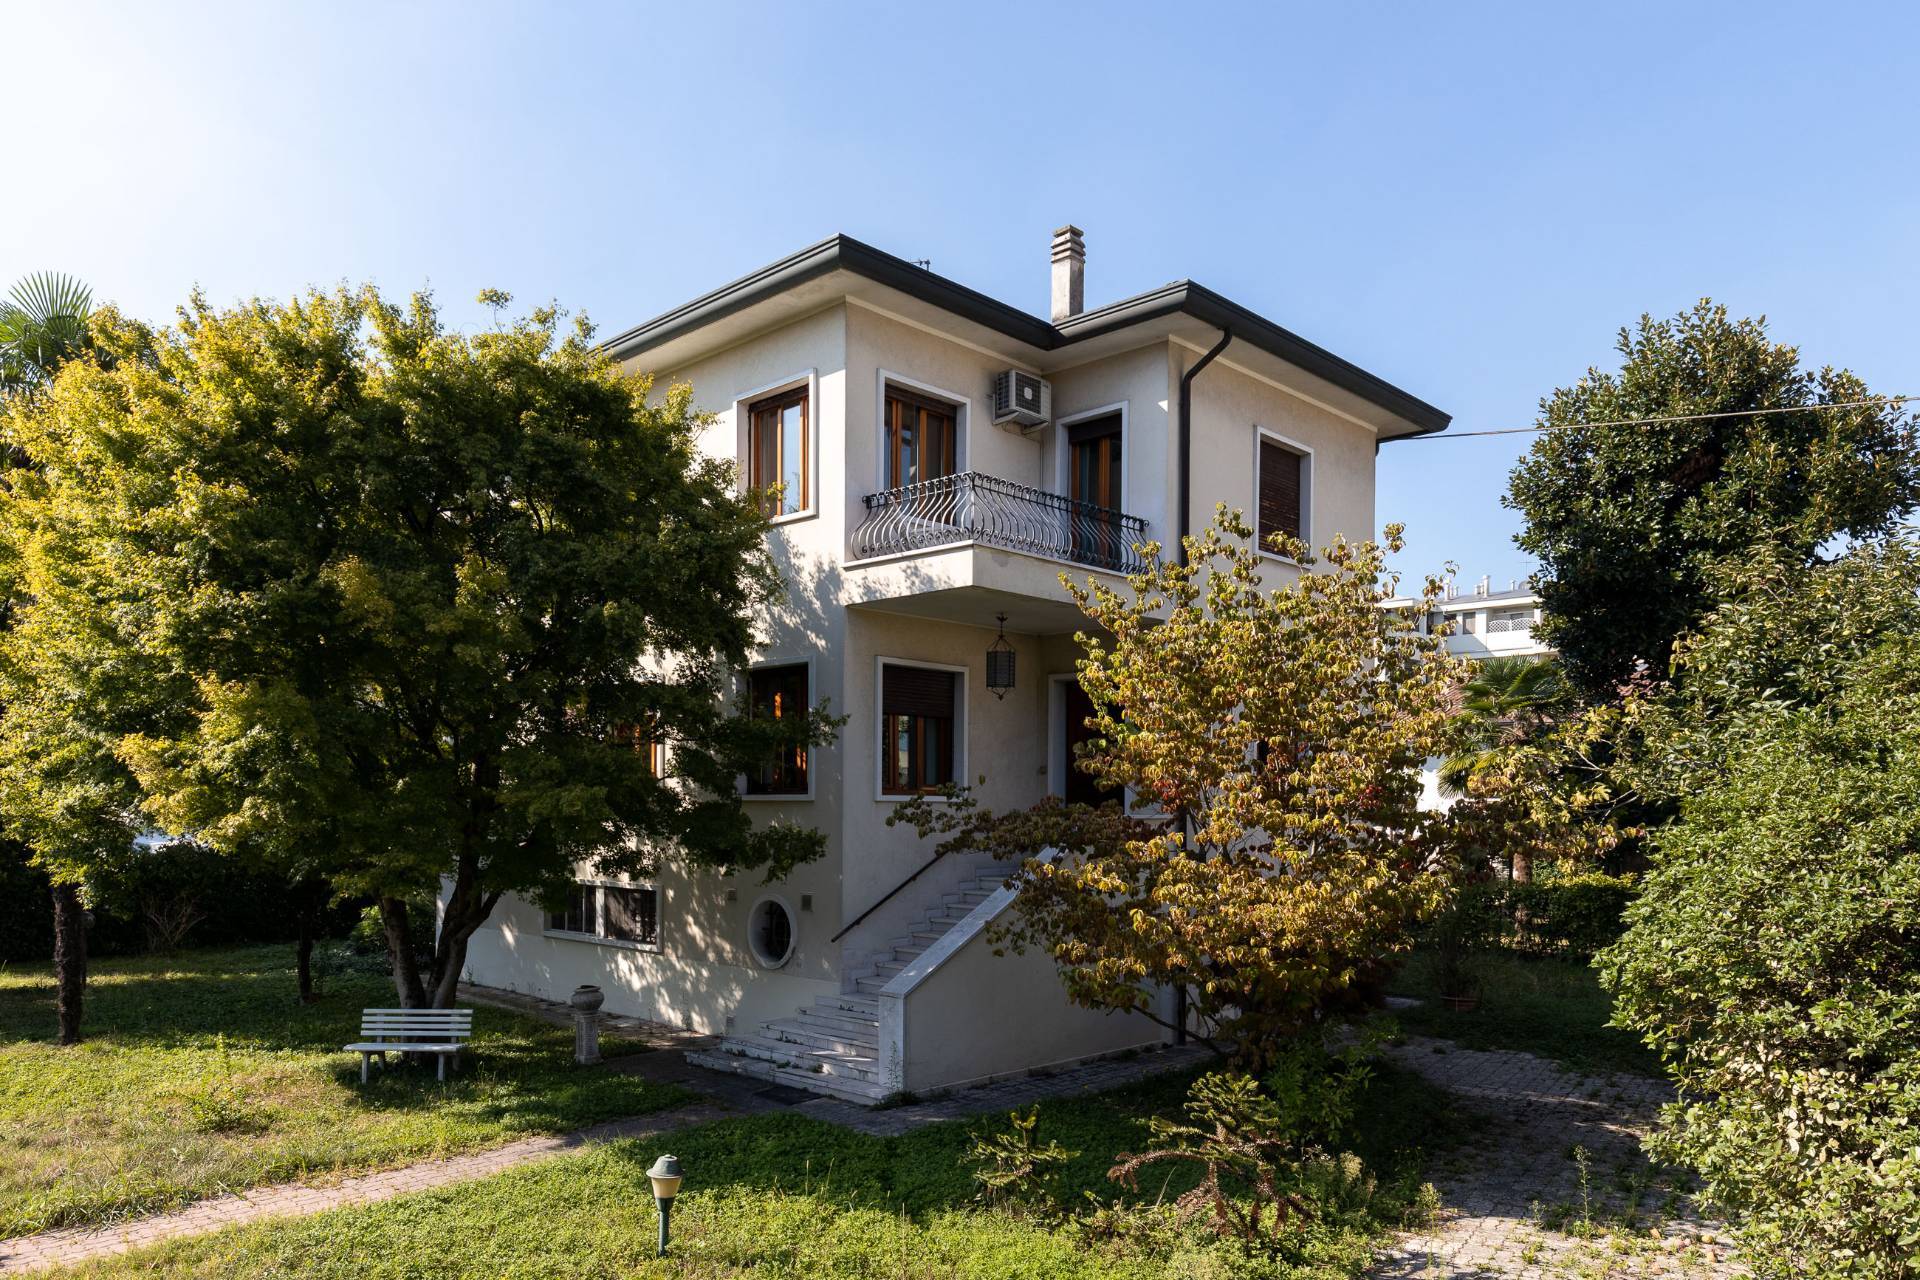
(834, 1045)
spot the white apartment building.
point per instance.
(945, 458)
(1486, 623)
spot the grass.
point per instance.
(201, 1073)
(781, 1195)
(1551, 1007)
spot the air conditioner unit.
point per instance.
(1021, 401)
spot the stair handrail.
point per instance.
(886, 897)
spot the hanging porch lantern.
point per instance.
(1000, 662)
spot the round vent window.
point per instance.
(771, 932)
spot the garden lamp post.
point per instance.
(665, 1176)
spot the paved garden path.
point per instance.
(725, 1095)
(1554, 1184)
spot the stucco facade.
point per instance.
(910, 962)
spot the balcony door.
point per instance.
(922, 439)
(1094, 475)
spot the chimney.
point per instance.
(1069, 273)
(1483, 586)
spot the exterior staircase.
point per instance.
(833, 1047)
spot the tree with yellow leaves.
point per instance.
(1269, 736)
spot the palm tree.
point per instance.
(43, 324)
(1505, 702)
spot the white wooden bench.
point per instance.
(441, 1032)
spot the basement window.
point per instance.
(620, 914)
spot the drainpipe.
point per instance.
(1181, 530)
(1185, 525)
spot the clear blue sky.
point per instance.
(1469, 200)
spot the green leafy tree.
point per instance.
(1287, 723)
(1774, 957)
(1631, 523)
(419, 602)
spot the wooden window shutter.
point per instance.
(1279, 491)
(916, 691)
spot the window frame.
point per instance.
(807, 380)
(597, 937)
(1307, 522)
(880, 739)
(962, 422)
(745, 695)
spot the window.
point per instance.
(615, 912)
(917, 707)
(1467, 622)
(922, 439)
(770, 933)
(1282, 484)
(778, 693)
(632, 914)
(580, 914)
(1509, 620)
(777, 452)
(648, 741)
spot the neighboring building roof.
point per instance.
(1469, 601)
(1183, 297)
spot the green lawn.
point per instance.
(150, 1112)
(1551, 1007)
(780, 1195)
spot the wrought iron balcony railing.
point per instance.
(971, 507)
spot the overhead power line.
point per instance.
(1876, 401)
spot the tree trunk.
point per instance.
(69, 958)
(303, 960)
(406, 970)
(467, 908)
(1522, 866)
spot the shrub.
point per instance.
(1564, 912)
(1263, 1148)
(1015, 1169)
(166, 897)
(1774, 957)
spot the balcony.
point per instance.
(971, 507)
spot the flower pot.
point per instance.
(1461, 1004)
(587, 999)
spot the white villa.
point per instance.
(945, 458)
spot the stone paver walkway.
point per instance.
(1555, 1185)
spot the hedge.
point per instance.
(234, 906)
(1568, 913)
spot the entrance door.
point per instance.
(1081, 786)
(1095, 470)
